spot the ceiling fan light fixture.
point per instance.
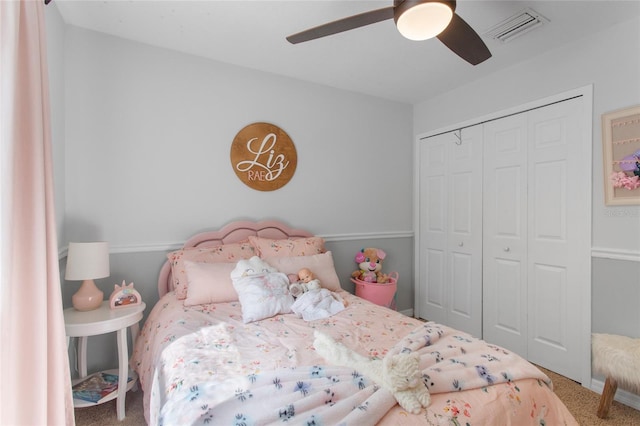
(422, 20)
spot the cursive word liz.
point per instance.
(261, 168)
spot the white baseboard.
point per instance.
(622, 396)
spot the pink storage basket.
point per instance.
(380, 294)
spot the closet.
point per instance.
(504, 227)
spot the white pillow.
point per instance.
(320, 264)
(209, 283)
(263, 296)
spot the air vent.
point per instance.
(517, 25)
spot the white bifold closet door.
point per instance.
(504, 233)
(451, 230)
(534, 234)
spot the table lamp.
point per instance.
(86, 262)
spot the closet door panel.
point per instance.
(436, 218)
(549, 204)
(451, 230)
(504, 231)
(551, 295)
(433, 227)
(461, 308)
(460, 259)
(435, 301)
(465, 232)
(462, 187)
(508, 279)
(507, 202)
(556, 229)
(461, 284)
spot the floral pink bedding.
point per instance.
(202, 365)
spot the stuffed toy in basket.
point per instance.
(371, 283)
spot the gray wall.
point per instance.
(148, 136)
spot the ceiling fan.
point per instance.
(416, 20)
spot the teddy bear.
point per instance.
(369, 261)
(307, 281)
(399, 373)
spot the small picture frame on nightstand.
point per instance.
(124, 296)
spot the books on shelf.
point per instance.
(97, 387)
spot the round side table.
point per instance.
(82, 324)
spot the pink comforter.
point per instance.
(201, 353)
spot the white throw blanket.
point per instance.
(317, 304)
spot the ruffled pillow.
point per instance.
(267, 247)
(228, 253)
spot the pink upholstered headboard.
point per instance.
(231, 233)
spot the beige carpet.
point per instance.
(581, 402)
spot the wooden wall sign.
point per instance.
(263, 156)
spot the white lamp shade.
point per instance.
(87, 261)
(424, 21)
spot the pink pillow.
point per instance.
(209, 283)
(223, 253)
(267, 247)
(320, 264)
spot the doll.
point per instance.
(306, 281)
(312, 301)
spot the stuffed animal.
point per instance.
(369, 261)
(307, 281)
(253, 266)
(263, 292)
(399, 373)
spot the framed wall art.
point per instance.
(621, 154)
(263, 156)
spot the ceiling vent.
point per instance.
(515, 26)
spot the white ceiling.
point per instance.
(374, 60)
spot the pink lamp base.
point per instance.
(88, 297)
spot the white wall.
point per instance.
(609, 60)
(149, 132)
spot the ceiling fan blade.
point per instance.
(464, 41)
(345, 24)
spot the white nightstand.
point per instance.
(100, 321)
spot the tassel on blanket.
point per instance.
(399, 373)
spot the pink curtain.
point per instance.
(34, 369)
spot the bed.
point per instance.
(200, 362)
